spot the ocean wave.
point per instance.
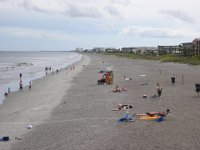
(24, 64)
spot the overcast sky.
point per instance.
(66, 24)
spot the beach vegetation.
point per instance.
(186, 58)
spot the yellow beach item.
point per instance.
(149, 117)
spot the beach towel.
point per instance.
(126, 118)
(160, 119)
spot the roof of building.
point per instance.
(197, 39)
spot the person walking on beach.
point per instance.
(30, 84)
(20, 84)
(159, 90)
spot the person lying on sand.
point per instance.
(123, 107)
(117, 89)
(152, 114)
(158, 113)
(120, 90)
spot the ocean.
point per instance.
(31, 65)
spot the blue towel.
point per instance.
(125, 118)
(160, 119)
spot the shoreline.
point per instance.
(23, 108)
(34, 73)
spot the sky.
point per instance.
(35, 25)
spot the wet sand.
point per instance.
(78, 116)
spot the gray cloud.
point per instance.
(67, 9)
(29, 6)
(178, 15)
(112, 11)
(80, 11)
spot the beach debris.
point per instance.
(197, 85)
(4, 138)
(142, 75)
(126, 118)
(144, 96)
(125, 78)
(143, 84)
(17, 138)
(30, 126)
(154, 96)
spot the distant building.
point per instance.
(174, 49)
(128, 49)
(112, 50)
(140, 50)
(78, 49)
(192, 48)
(186, 45)
(196, 46)
(98, 49)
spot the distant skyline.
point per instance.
(39, 25)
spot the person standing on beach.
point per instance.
(20, 84)
(30, 84)
(159, 90)
(20, 75)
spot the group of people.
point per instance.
(20, 85)
(128, 106)
(71, 67)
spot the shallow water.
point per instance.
(31, 65)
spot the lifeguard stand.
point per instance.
(109, 77)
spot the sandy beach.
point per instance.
(71, 112)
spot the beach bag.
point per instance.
(4, 138)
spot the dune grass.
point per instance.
(191, 60)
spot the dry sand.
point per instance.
(78, 116)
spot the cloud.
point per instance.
(75, 10)
(178, 15)
(124, 2)
(112, 11)
(70, 8)
(49, 7)
(35, 34)
(151, 32)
